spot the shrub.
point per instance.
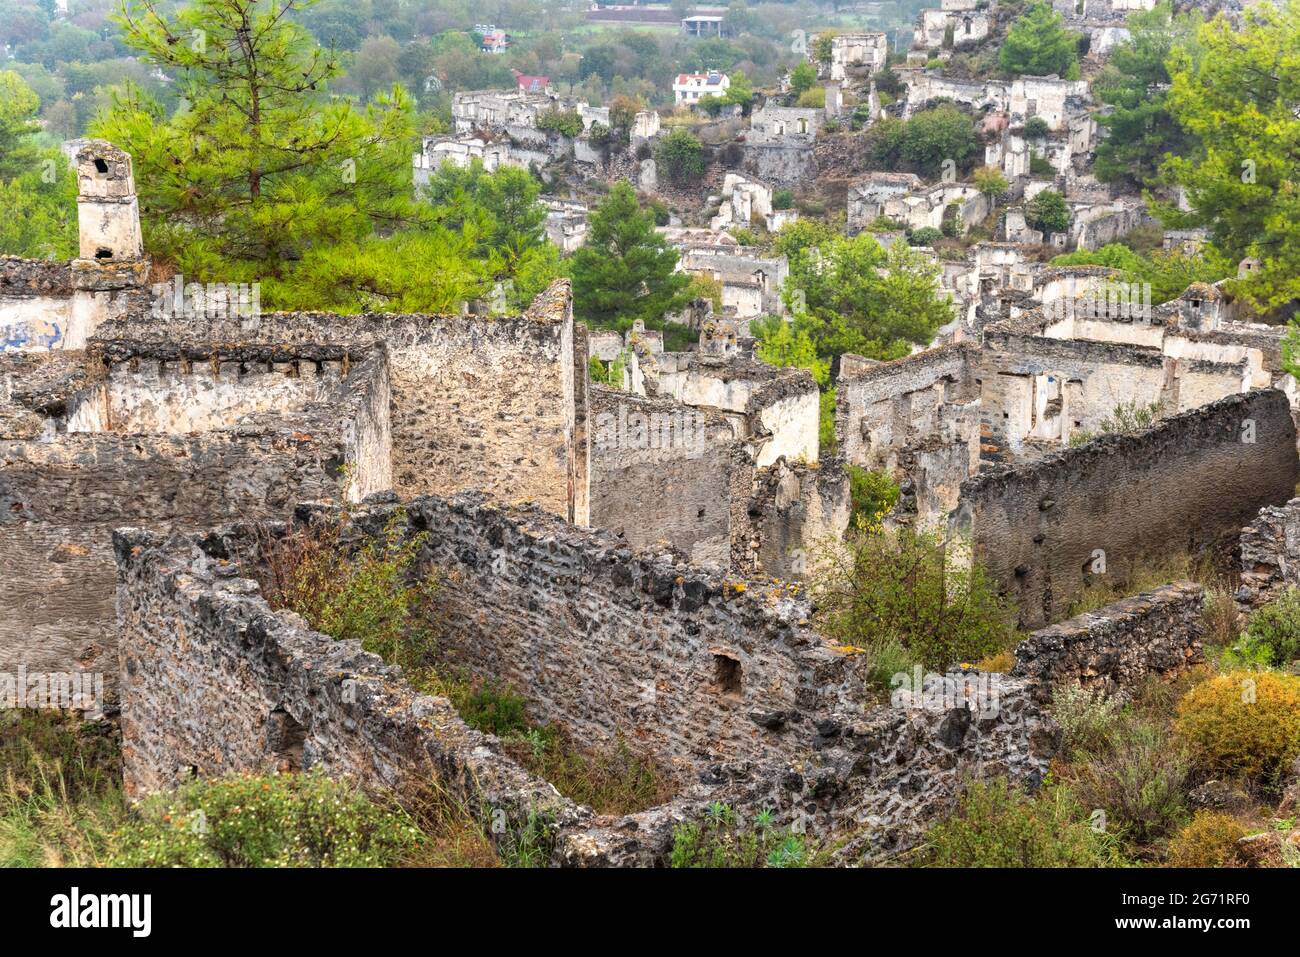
(872, 495)
(1140, 781)
(372, 593)
(1243, 723)
(813, 99)
(278, 820)
(803, 77)
(1088, 720)
(782, 199)
(1275, 629)
(1048, 211)
(998, 826)
(1209, 840)
(1036, 128)
(926, 236)
(568, 122)
(952, 223)
(680, 156)
(722, 840)
(901, 585)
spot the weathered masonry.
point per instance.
(1187, 484)
(720, 681)
(85, 447)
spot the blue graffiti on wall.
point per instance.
(22, 337)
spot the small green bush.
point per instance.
(901, 585)
(999, 826)
(278, 820)
(782, 199)
(1274, 630)
(722, 840)
(1140, 782)
(374, 593)
(926, 236)
(680, 157)
(1036, 128)
(1209, 840)
(1243, 723)
(1089, 721)
(568, 122)
(872, 495)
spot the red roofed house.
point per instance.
(531, 84)
(689, 87)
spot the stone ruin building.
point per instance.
(628, 557)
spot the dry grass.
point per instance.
(61, 795)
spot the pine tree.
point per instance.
(259, 168)
(626, 270)
(1039, 45)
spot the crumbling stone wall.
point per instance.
(1113, 648)
(477, 402)
(662, 472)
(67, 479)
(1269, 554)
(214, 682)
(1187, 484)
(791, 512)
(611, 643)
(917, 418)
(1037, 391)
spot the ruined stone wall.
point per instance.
(663, 472)
(63, 492)
(784, 165)
(1112, 649)
(1042, 389)
(1186, 484)
(1269, 554)
(791, 513)
(477, 402)
(609, 643)
(214, 682)
(918, 419)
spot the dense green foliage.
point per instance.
(1272, 639)
(1169, 273)
(872, 495)
(625, 270)
(850, 294)
(38, 188)
(924, 143)
(1235, 91)
(1048, 212)
(1141, 132)
(1039, 45)
(680, 157)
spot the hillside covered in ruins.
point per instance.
(787, 436)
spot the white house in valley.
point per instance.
(688, 88)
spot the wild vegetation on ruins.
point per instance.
(772, 436)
